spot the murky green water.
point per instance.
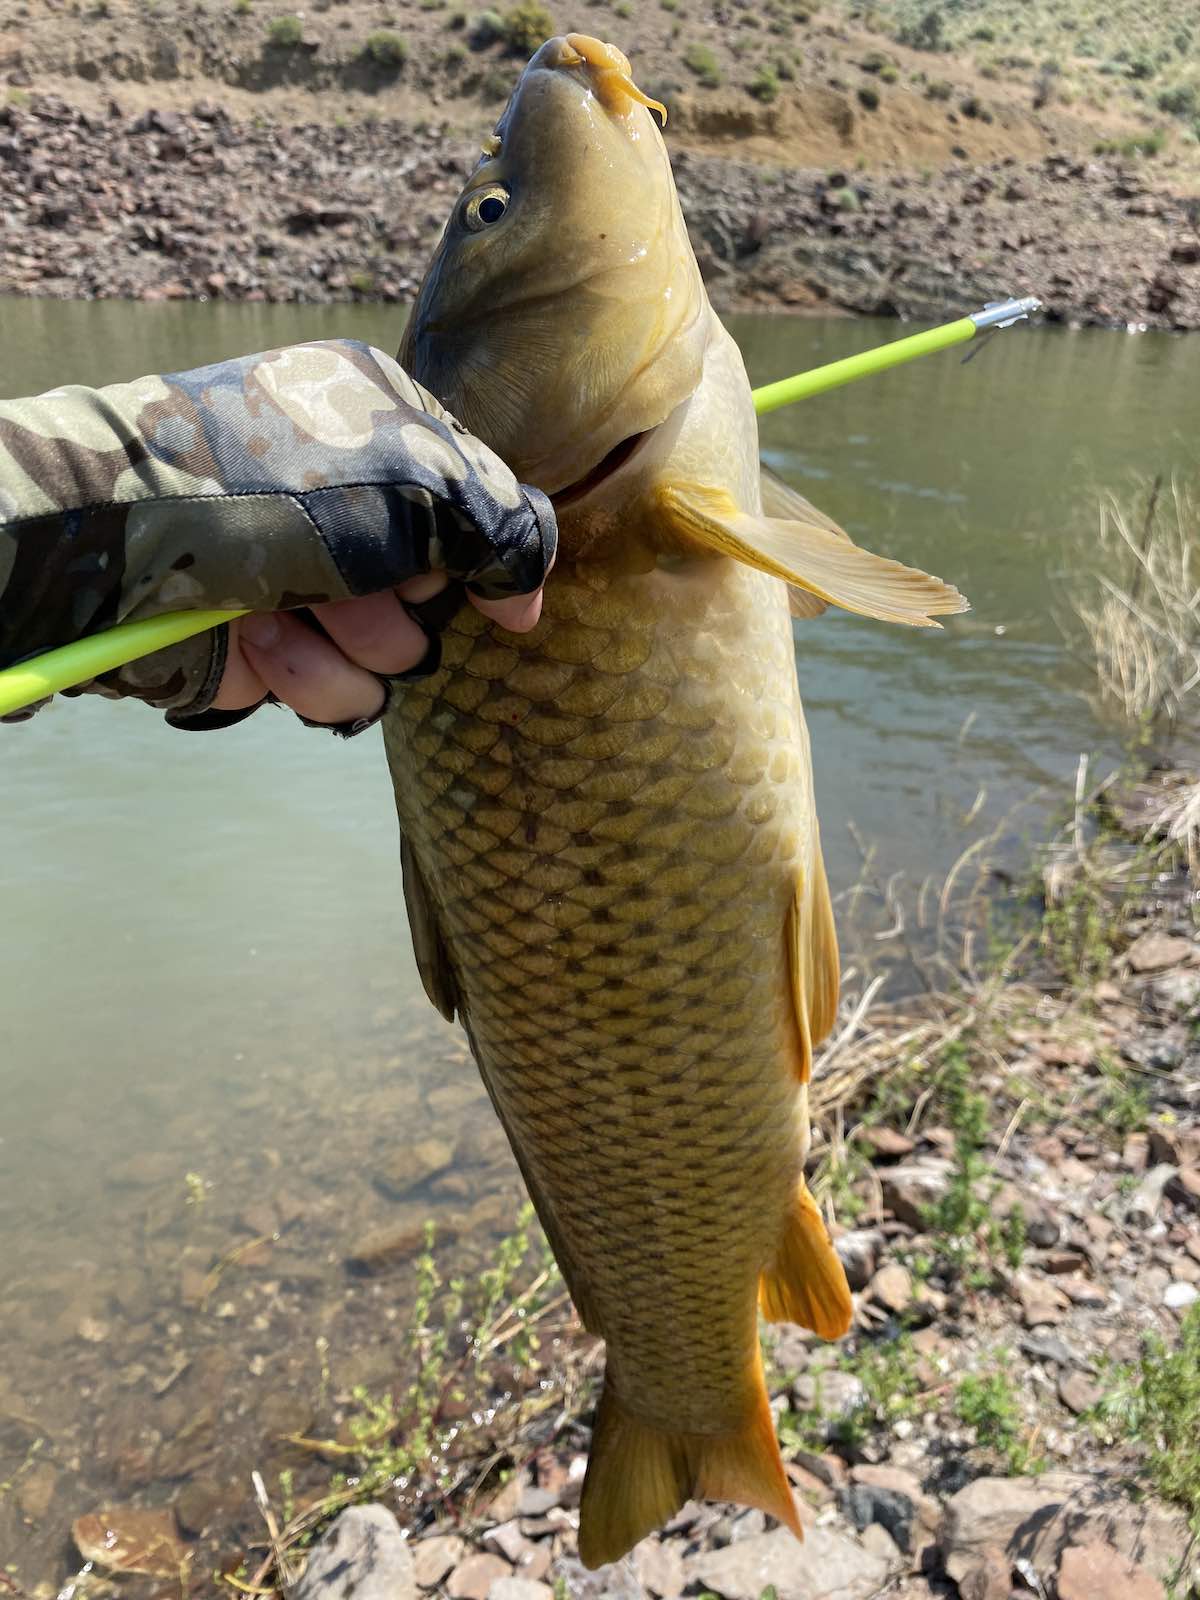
(205, 960)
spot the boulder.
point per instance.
(828, 1566)
(1097, 1571)
(1036, 1519)
(361, 1556)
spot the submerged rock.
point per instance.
(127, 1539)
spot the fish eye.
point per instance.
(484, 207)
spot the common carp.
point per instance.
(611, 856)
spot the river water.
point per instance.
(211, 1027)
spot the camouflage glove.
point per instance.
(275, 481)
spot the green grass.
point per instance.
(1155, 1402)
(989, 1406)
(967, 1236)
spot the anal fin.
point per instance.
(806, 1283)
(638, 1475)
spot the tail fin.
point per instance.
(807, 1283)
(639, 1476)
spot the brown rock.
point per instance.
(887, 1144)
(126, 1539)
(911, 1188)
(925, 1507)
(520, 1589)
(659, 1568)
(1154, 951)
(1083, 1292)
(892, 1288)
(1174, 1144)
(381, 1248)
(1038, 1518)
(1098, 1572)
(1077, 1392)
(830, 1469)
(1041, 1302)
(1186, 1185)
(475, 1575)
(987, 1577)
(1057, 1262)
(434, 1558)
(1135, 1153)
(198, 1504)
(35, 1490)
(413, 1165)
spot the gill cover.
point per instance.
(563, 311)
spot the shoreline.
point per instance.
(195, 206)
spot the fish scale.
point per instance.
(611, 865)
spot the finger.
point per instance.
(240, 685)
(307, 672)
(374, 631)
(518, 613)
(423, 587)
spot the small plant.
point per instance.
(925, 33)
(1124, 1105)
(764, 86)
(1156, 1403)
(868, 96)
(939, 89)
(197, 1189)
(989, 1406)
(285, 32)
(487, 28)
(1181, 101)
(701, 59)
(527, 26)
(386, 49)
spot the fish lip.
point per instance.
(607, 467)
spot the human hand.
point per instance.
(335, 678)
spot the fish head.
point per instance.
(563, 314)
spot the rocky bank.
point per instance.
(1019, 1216)
(167, 204)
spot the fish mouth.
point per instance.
(619, 456)
(607, 70)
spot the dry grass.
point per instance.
(1138, 604)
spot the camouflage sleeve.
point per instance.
(273, 481)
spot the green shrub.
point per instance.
(1181, 101)
(868, 96)
(939, 89)
(701, 60)
(486, 29)
(285, 32)
(989, 1406)
(764, 86)
(527, 26)
(923, 34)
(386, 49)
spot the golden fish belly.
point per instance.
(611, 816)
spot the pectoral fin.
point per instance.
(806, 555)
